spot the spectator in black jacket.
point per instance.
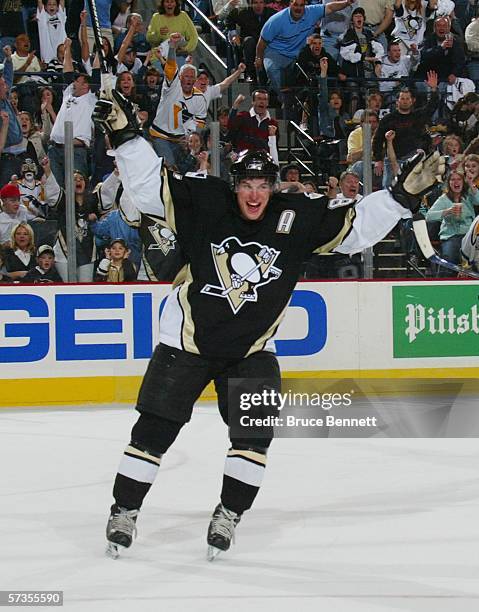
(309, 60)
(44, 271)
(409, 125)
(249, 21)
(360, 52)
(442, 52)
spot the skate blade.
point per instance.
(113, 550)
(212, 553)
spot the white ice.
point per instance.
(356, 525)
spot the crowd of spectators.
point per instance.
(408, 68)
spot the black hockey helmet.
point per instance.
(254, 164)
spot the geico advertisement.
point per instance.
(85, 330)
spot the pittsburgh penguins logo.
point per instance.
(164, 238)
(412, 24)
(241, 269)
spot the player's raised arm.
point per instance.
(139, 166)
(379, 212)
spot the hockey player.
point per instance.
(244, 250)
(470, 247)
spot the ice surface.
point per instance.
(339, 525)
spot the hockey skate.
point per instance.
(221, 531)
(120, 530)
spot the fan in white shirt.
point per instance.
(51, 18)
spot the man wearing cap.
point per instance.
(214, 92)
(44, 271)
(12, 211)
(127, 60)
(360, 53)
(379, 15)
(11, 158)
(284, 35)
(77, 107)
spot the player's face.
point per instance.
(297, 9)
(52, 7)
(394, 53)
(22, 238)
(45, 261)
(350, 186)
(253, 195)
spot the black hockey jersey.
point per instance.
(240, 274)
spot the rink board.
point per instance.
(91, 343)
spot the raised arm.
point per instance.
(332, 7)
(67, 59)
(5, 122)
(127, 41)
(85, 47)
(385, 23)
(234, 76)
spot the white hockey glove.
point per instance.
(416, 178)
(116, 117)
(103, 267)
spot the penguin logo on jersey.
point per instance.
(241, 269)
(164, 238)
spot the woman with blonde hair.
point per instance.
(471, 170)
(20, 257)
(452, 148)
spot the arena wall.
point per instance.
(78, 344)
